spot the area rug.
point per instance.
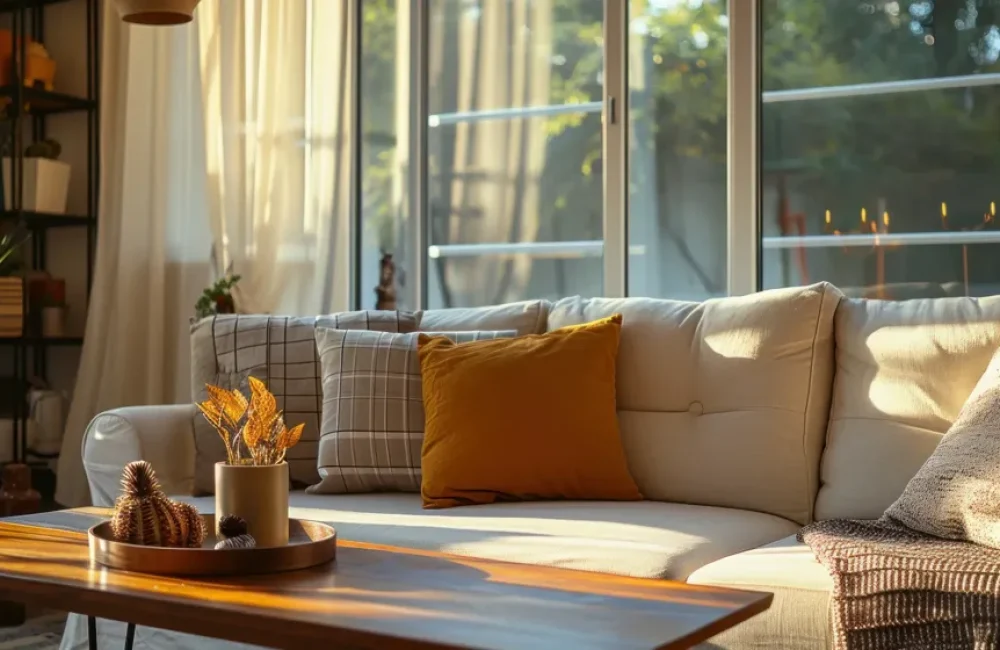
(42, 633)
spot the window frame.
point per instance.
(743, 189)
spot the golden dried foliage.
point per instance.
(252, 426)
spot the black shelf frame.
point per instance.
(7, 6)
(31, 105)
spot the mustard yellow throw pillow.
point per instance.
(526, 418)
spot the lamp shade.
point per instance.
(157, 12)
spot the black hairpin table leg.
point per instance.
(92, 634)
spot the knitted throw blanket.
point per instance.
(897, 589)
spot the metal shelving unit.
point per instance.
(31, 106)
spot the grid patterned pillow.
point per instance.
(281, 351)
(373, 411)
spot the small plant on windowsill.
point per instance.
(217, 299)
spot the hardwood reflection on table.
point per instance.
(372, 596)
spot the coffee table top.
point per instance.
(371, 597)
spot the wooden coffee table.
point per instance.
(371, 597)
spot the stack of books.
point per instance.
(11, 307)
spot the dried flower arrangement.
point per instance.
(253, 430)
(144, 515)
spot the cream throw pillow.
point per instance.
(956, 494)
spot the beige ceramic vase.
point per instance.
(258, 494)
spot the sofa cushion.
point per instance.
(723, 402)
(642, 538)
(904, 370)
(280, 350)
(799, 616)
(523, 419)
(527, 317)
(954, 494)
(372, 426)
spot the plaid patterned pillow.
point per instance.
(281, 351)
(373, 411)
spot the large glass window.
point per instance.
(385, 89)
(880, 134)
(677, 184)
(514, 150)
(872, 151)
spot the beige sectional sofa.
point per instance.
(742, 419)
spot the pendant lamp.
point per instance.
(157, 12)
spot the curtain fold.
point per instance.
(486, 174)
(224, 149)
(150, 212)
(276, 86)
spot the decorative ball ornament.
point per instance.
(240, 541)
(232, 526)
(157, 12)
(144, 515)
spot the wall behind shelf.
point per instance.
(66, 41)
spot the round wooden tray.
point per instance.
(309, 543)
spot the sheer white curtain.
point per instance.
(152, 207)
(223, 148)
(504, 60)
(275, 78)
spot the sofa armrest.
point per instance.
(162, 435)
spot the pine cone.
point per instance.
(231, 526)
(240, 541)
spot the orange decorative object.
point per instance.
(40, 69)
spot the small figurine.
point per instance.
(385, 292)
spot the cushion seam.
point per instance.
(886, 419)
(811, 503)
(539, 317)
(754, 586)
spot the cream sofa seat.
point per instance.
(767, 411)
(643, 539)
(799, 616)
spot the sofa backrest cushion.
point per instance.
(527, 317)
(280, 350)
(724, 402)
(903, 372)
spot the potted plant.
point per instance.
(217, 299)
(252, 483)
(45, 185)
(11, 283)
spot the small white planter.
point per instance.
(45, 183)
